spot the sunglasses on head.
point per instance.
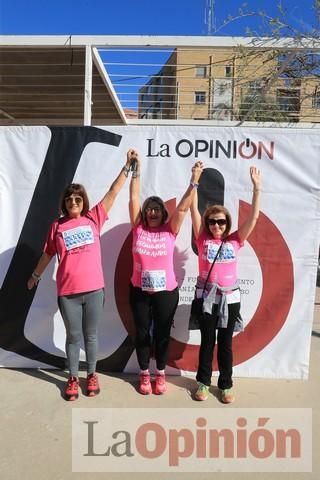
(76, 199)
(219, 221)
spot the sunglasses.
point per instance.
(153, 209)
(219, 221)
(70, 199)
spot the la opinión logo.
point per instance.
(165, 439)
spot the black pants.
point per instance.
(154, 311)
(209, 334)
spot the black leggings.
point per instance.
(208, 329)
(154, 310)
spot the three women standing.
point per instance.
(154, 296)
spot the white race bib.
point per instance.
(153, 280)
(212, 250)
(77, 237)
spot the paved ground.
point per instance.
(35, 441)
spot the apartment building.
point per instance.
(234, 83)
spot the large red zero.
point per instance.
(276, 298)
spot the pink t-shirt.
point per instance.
(76, 241)
(224, 272)
(152, 250)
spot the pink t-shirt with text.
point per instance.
(76, 241)
(152, 250)
(225, 271)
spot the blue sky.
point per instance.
(141, 17)
(138, 17)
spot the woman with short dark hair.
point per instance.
(75, 239)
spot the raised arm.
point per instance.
(134, 191)
(185, 202)
(116, 186)
(246, 228)
(38, 271)
(195, 215)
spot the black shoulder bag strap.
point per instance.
(214, 261)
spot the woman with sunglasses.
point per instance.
(221, 306)
(154, 293)
(75, 239)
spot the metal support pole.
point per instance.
(88, 87)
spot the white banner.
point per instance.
(277, 265)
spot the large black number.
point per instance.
(210, 192)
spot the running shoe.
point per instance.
(145, 384)
(227, 396)
(72, 389)
(202, 393)
(93, 387)
(160, 386)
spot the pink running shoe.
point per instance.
(144, 384)
(92, 385)
(161, 386)
(72, 389)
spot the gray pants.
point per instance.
(81, 314)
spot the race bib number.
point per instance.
(212, 250)
(78, 237)
(226, 254)
(153, 281)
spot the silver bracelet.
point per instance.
(135, 174)
(194, 184)
(36, 276)
(126, 170)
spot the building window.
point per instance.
(255, 87)
(291, 82)
(201, 71)
(228, 71)
(316, 100)
(199, 97)
(288, 100)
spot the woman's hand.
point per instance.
(255, 175)
(197, 170)
(32, 283)
(185, 202)
(133, 156)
